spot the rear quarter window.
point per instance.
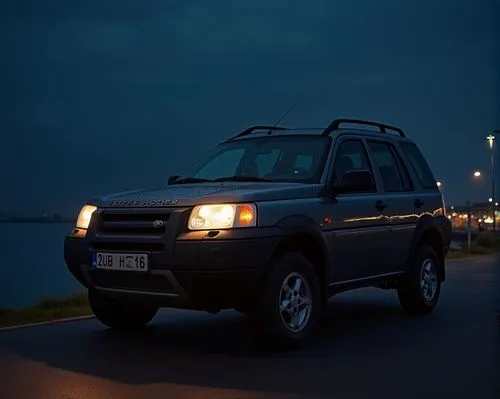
(419, 165)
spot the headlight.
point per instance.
(83, 220)
(222, 216)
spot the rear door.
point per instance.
(427, 198)
(399, 198)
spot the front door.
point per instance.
(359, 225)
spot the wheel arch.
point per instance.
(303, 235)
(428, 232)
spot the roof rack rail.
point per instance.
(381, 126)
(252, 129)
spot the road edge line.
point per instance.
(48, 322)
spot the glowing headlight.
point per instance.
(222, 216)
(83, 220)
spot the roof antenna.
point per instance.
(270, 131)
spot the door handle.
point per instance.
(380, 205)
(418, 203)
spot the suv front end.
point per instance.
(200, 257)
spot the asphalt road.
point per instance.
(367, 348)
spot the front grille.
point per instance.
(128, 222)
(127, 246)
(130, 281)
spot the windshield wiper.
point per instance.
(244, 179)
(188, 180)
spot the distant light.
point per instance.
(490, 139)
(490, 199)
(439, 184)
(477, 173)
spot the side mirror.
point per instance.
(355, 181)
(171, 179)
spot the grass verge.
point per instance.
(484, 245)
(47, 310)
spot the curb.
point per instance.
(464, 258)
(42, 323)
(475, 256)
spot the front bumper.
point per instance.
(195, 270)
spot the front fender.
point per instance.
(298, 224)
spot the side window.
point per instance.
(405, 174)
(225, 164)
(388, 166)
(419, 165)
(351, 155)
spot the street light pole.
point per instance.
(491, 138)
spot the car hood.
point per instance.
(206, 193)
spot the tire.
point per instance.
(270, 326)
(118, 314)
(416, 296)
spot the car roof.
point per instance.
(334, 129)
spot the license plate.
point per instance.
(120, 261)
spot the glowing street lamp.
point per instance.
(477, 173)
(490, 139)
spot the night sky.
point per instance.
(101, 96)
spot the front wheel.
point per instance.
(290, 303)
(119, 314)
(420, 289)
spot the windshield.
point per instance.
(281, 158)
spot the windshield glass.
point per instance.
(281, 158)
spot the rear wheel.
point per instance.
(119, 314)
(420, 289)
(290, 303)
